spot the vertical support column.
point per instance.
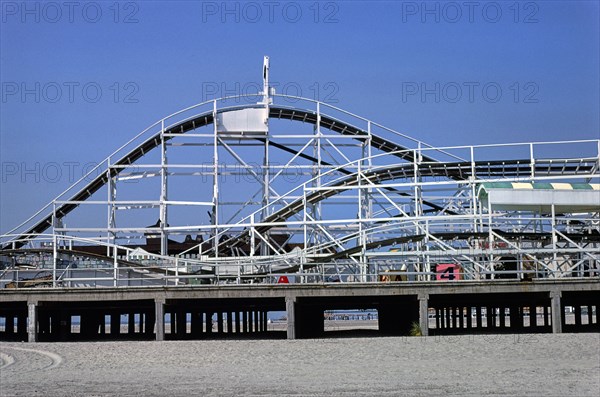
(478, 317)
(246, 327)
(424, 314)
(290, 308)
(215, 200)
(164, 238)
(54, 252)
(159, 308)
(111, 218)
(264, 321)
(32, 311)
(264, 248)
(237, 322)
(556, 312)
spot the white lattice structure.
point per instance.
(283, 185)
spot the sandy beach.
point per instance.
(515, 365)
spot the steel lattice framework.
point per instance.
(272, 188)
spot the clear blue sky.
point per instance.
(366, 57)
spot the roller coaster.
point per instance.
(270, 188)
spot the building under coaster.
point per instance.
(270, 188)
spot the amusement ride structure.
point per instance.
(271, 188)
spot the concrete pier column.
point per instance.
(237, 322)
(556, 312)
(265, 321)
(502, 310)
(456, 313)
(255, 320)
(448, 316)
(159, 309)
(589, 314)
(32, 311)
(245, 320)
(424, 314)
(290, 308)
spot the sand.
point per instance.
(491, 365)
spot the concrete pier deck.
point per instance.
(240, 311)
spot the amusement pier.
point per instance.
(222, 216)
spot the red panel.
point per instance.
(447, 272)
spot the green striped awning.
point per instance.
(486, 186)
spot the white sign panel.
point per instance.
(243, 122)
